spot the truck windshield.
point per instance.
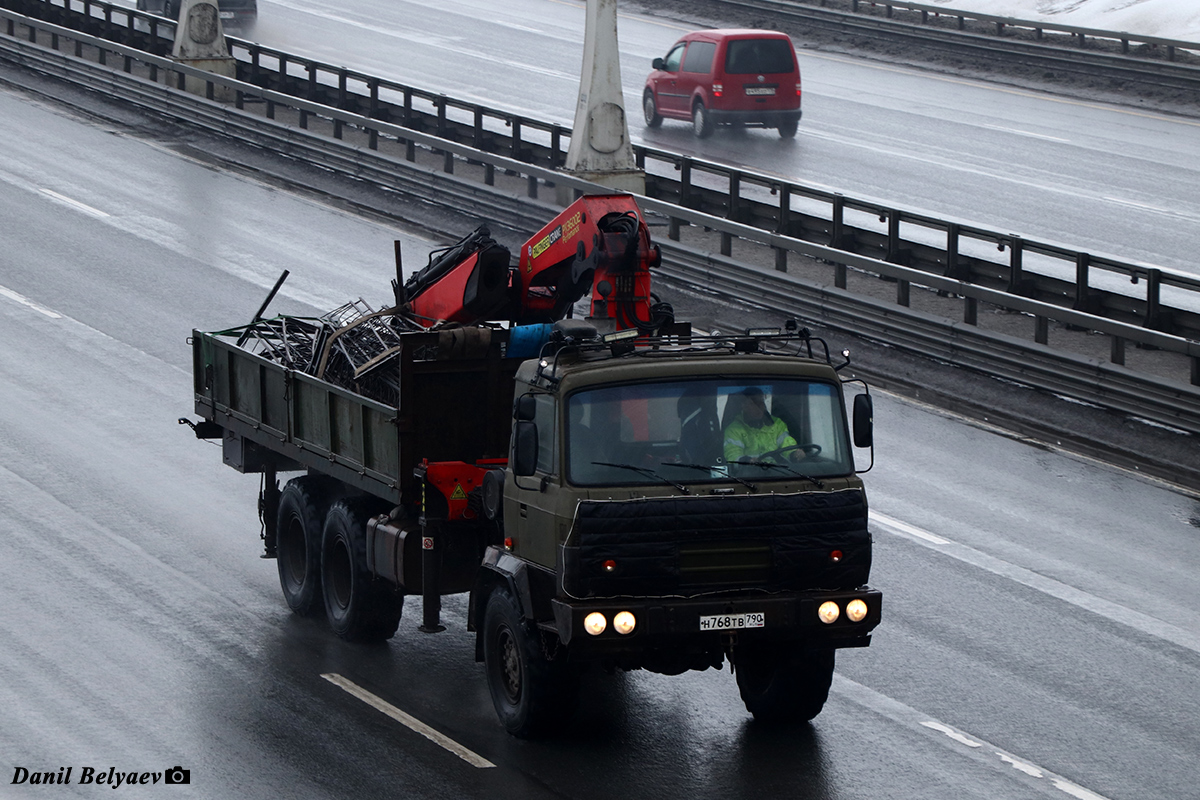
(768, 429)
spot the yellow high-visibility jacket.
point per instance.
(743, 440)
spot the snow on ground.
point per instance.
(1168, 19)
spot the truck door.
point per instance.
(530, 501)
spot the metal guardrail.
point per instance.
(1078, 36)
(1148, 60)
(450, 174)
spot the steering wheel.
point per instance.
(811, 449)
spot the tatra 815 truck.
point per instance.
(599, 487)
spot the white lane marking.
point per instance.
(904, 527)
(84, 207)
(1019, 132)
(991, 87)
(429, 40)
(1143, 206)
(1076, 791)
(953, 734)
(1057, 589)
(947, 163)
(957, 739)
(1020, 765)
(429, 733)
(25, 301)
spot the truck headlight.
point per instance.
(624, 622)
(595, 623)
(856, 610)
(829, 612)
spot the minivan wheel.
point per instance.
(702, 121)
(650, 109)
(787, 128)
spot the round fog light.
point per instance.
(828, 612)
(856, 610)
(595, 623)
(624, 622)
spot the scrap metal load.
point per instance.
(600, 244)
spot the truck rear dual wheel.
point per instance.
(360, 607)
(533, 695)
(781, 685)
(301, 516)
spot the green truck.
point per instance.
(582, 482)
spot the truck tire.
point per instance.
(360, 607)
(784, 685)
(302, 505)
(533, 695)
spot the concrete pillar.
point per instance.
(200, 43)
(600, 148)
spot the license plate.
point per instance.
(732, 622)
(760, 90)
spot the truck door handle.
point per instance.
(524, 511)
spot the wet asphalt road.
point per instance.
(1041, 635)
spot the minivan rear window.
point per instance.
(745, 56)
(699, 57)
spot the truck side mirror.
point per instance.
(524, 408)
(525, 447)
(864, 421)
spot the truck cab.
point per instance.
(640, 533)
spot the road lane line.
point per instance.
(413, 723)
(958, 740)
(25, 301)
(953, 734)
(1020, 132)
(905, 528)
(84, 207)
(1028, 578)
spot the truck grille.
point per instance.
(738, 563)
(689, 545)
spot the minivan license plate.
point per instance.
(760, 90)
(730, 622)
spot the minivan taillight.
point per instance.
(718, 89)
(797, 90)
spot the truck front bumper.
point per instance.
(711, 622)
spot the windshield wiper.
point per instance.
(785, 467)
(745, 483)
(644, 471)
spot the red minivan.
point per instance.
(714, 77)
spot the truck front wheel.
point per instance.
(302, 506)
(533, 695)
(783, 685)
(360, 607)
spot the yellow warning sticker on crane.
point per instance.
(458, 493)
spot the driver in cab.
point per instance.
(755, 432)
